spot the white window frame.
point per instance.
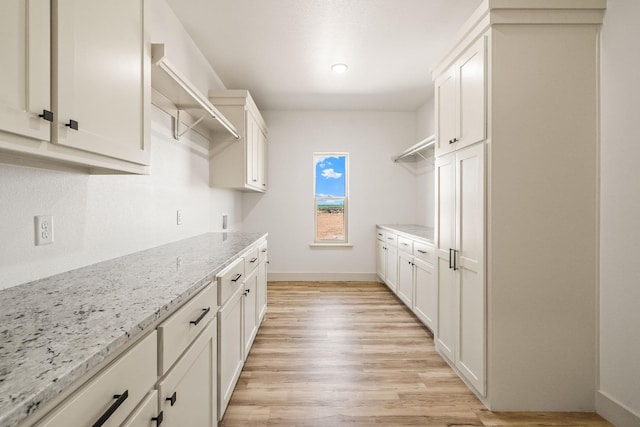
(345, 199)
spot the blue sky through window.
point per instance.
(330, 176)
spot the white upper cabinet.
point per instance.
(239, 164)
(101, 75)
(460, 101)
(75, 85)
(25, 72)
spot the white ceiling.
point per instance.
(282, 50)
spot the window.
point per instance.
(331, 191)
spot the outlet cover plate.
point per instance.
(43, 229)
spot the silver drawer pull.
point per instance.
(264, 250)
(421, 251)
(404, 244)
(253, 260)
(238, 276)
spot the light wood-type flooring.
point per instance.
(350, 354)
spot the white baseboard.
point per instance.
(615, 412)
(322, 277)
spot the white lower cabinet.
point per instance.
(188, 392)
(412, 266)
(230, 348)
(184, 372)
(109, 397)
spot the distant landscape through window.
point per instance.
(330, 197)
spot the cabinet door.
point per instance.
(381, 260)
(249, 312)
(261, 293)
(146, 414)
(470, 353)
(471, 95)
(25, 71)
(425, 304)
(252, 155)
(188, 391)
(445, 111)
(445, 244)
(101, 77)
(392, 268)
(262, 159)
(405, 279)
(230, 349)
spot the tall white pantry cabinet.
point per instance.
(516, 203)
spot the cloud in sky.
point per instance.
(330, 173)
(321, 160)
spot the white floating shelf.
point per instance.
(178, 96)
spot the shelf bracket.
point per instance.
(176, 129)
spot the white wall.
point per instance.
(380, 190)
(100, 217)
(620, 213)
(425, 196)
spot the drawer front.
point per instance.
(132, 375)
(424, 252)
(179, 330)
(405, 245)
(391, 240)
(380, 234)
(262, 251)
(251, 260)
(229, 280)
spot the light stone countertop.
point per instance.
(54, 330)
(411, 230)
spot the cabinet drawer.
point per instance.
(129, 377)
(179, 330)
(251, 260)
(423, 252)
(229, 280)
(262, 251)
(405, 245)
(391, 240)
(379, 234)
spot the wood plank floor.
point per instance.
(351, 354)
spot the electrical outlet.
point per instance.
(44, 229)
(179, 217)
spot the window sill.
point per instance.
(331, 245)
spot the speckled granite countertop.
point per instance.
(411, 230)
(54, 330)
